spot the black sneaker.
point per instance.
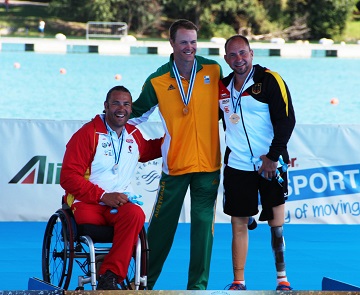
(108, 281)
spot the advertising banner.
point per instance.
(324, 172)
(324, 175)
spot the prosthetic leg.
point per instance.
(278, 246)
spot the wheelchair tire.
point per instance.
(128, 283)
(58, 249)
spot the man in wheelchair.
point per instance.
(98, 165)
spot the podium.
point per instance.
(37, 284)
(334, 285)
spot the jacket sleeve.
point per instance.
(148, 149)
(282, 115)
(76, 167)
(146, 103)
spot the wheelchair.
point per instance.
(65, 241)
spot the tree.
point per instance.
(189, 9)
(142, 16)
(82, 10)
(327, 18)
(247, 17)
(324, 18)
(292, 19)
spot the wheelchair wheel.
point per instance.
(128, 283)
(58, 249)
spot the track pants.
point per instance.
(127, 223)
(164, 221)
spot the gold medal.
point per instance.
(234, 118)
(185, 110)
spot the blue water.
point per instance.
(37, 90)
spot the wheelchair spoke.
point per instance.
(64, 242)
(57, 251)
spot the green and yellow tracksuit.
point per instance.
(191, 157)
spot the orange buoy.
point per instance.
(334, 100)
(17, 65)
(62, 71)
(118, 77)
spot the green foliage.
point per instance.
(351, 33)
(220, 18)
(274, 9)
(230, 16)
(22, 20)
(140, 15)
(60, 7)
(81, 10)
(210, 30)
(327, 18)
(324, 18)
(358, 5)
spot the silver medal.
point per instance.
(115, 168)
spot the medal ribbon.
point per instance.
(236, 102)
(117, 156)
(185, 98)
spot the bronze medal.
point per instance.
(185, 110)
(234, 118)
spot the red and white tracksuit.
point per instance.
(87, 174)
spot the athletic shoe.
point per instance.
(284, 286)
(108, 281)
(235, 287)
(252, 224)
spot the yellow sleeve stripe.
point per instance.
(282, 89)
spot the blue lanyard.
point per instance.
(117, 156)
(185, 98)
(236, 102)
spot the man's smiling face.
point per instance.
(184, 45)
(118, 110)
